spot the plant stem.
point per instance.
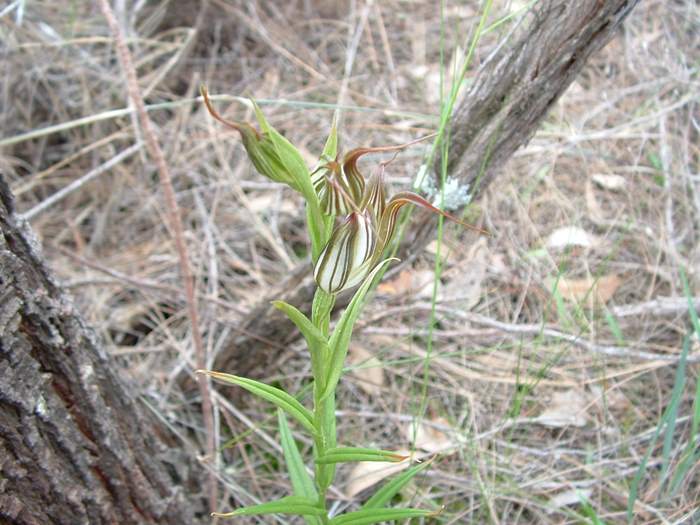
(324, 410)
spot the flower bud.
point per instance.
(263, 151)
(348, 256)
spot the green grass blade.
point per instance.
(369, 516)
(696, 414)
(672, 409)
(274, 395)
(691, 454)
(665, 420)
(691, 305)
(349, 454)
(695, 425)
(302, 484)
(340, 340)
(614, 327)
(294, 505)
(588, 511)
(383, 496)
(689, 460)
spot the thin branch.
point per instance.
(576, 340)
(158, 157)
(78, 183)
(532, 330)
(661, 306)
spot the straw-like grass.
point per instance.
(561, 381)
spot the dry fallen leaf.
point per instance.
(429, 438)
(570, 236)
(465, 283)
(595, 210)
(367, 369)
(569, 497)
(609, 182)
(575, 290)
(418, 283)
(367, 473)
(608, 399)
(566, 408)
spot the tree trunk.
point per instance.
(74, 445)
(511, 95)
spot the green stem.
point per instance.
(324, 409)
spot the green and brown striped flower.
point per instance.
(357, 244)
(348, 256)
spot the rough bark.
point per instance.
(74, 445)
(511, 95)
(519, 86)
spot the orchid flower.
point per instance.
(348, 256)
(335, 188)
(357, 244)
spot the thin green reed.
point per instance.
(441, 143)
(350, 222)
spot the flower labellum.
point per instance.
(348, 256)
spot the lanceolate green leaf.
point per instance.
(315, 340)
(295, 505)
(383, 496)
(274, 395)
(340, 340)
(347, 454)
(302, 483)
(321, 309)
(312, 334)
(369, 516)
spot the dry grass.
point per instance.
(531, 394)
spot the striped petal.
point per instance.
(351, 172)
(352, 178)
(348, 255)
(339, 195)
(374, 199)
